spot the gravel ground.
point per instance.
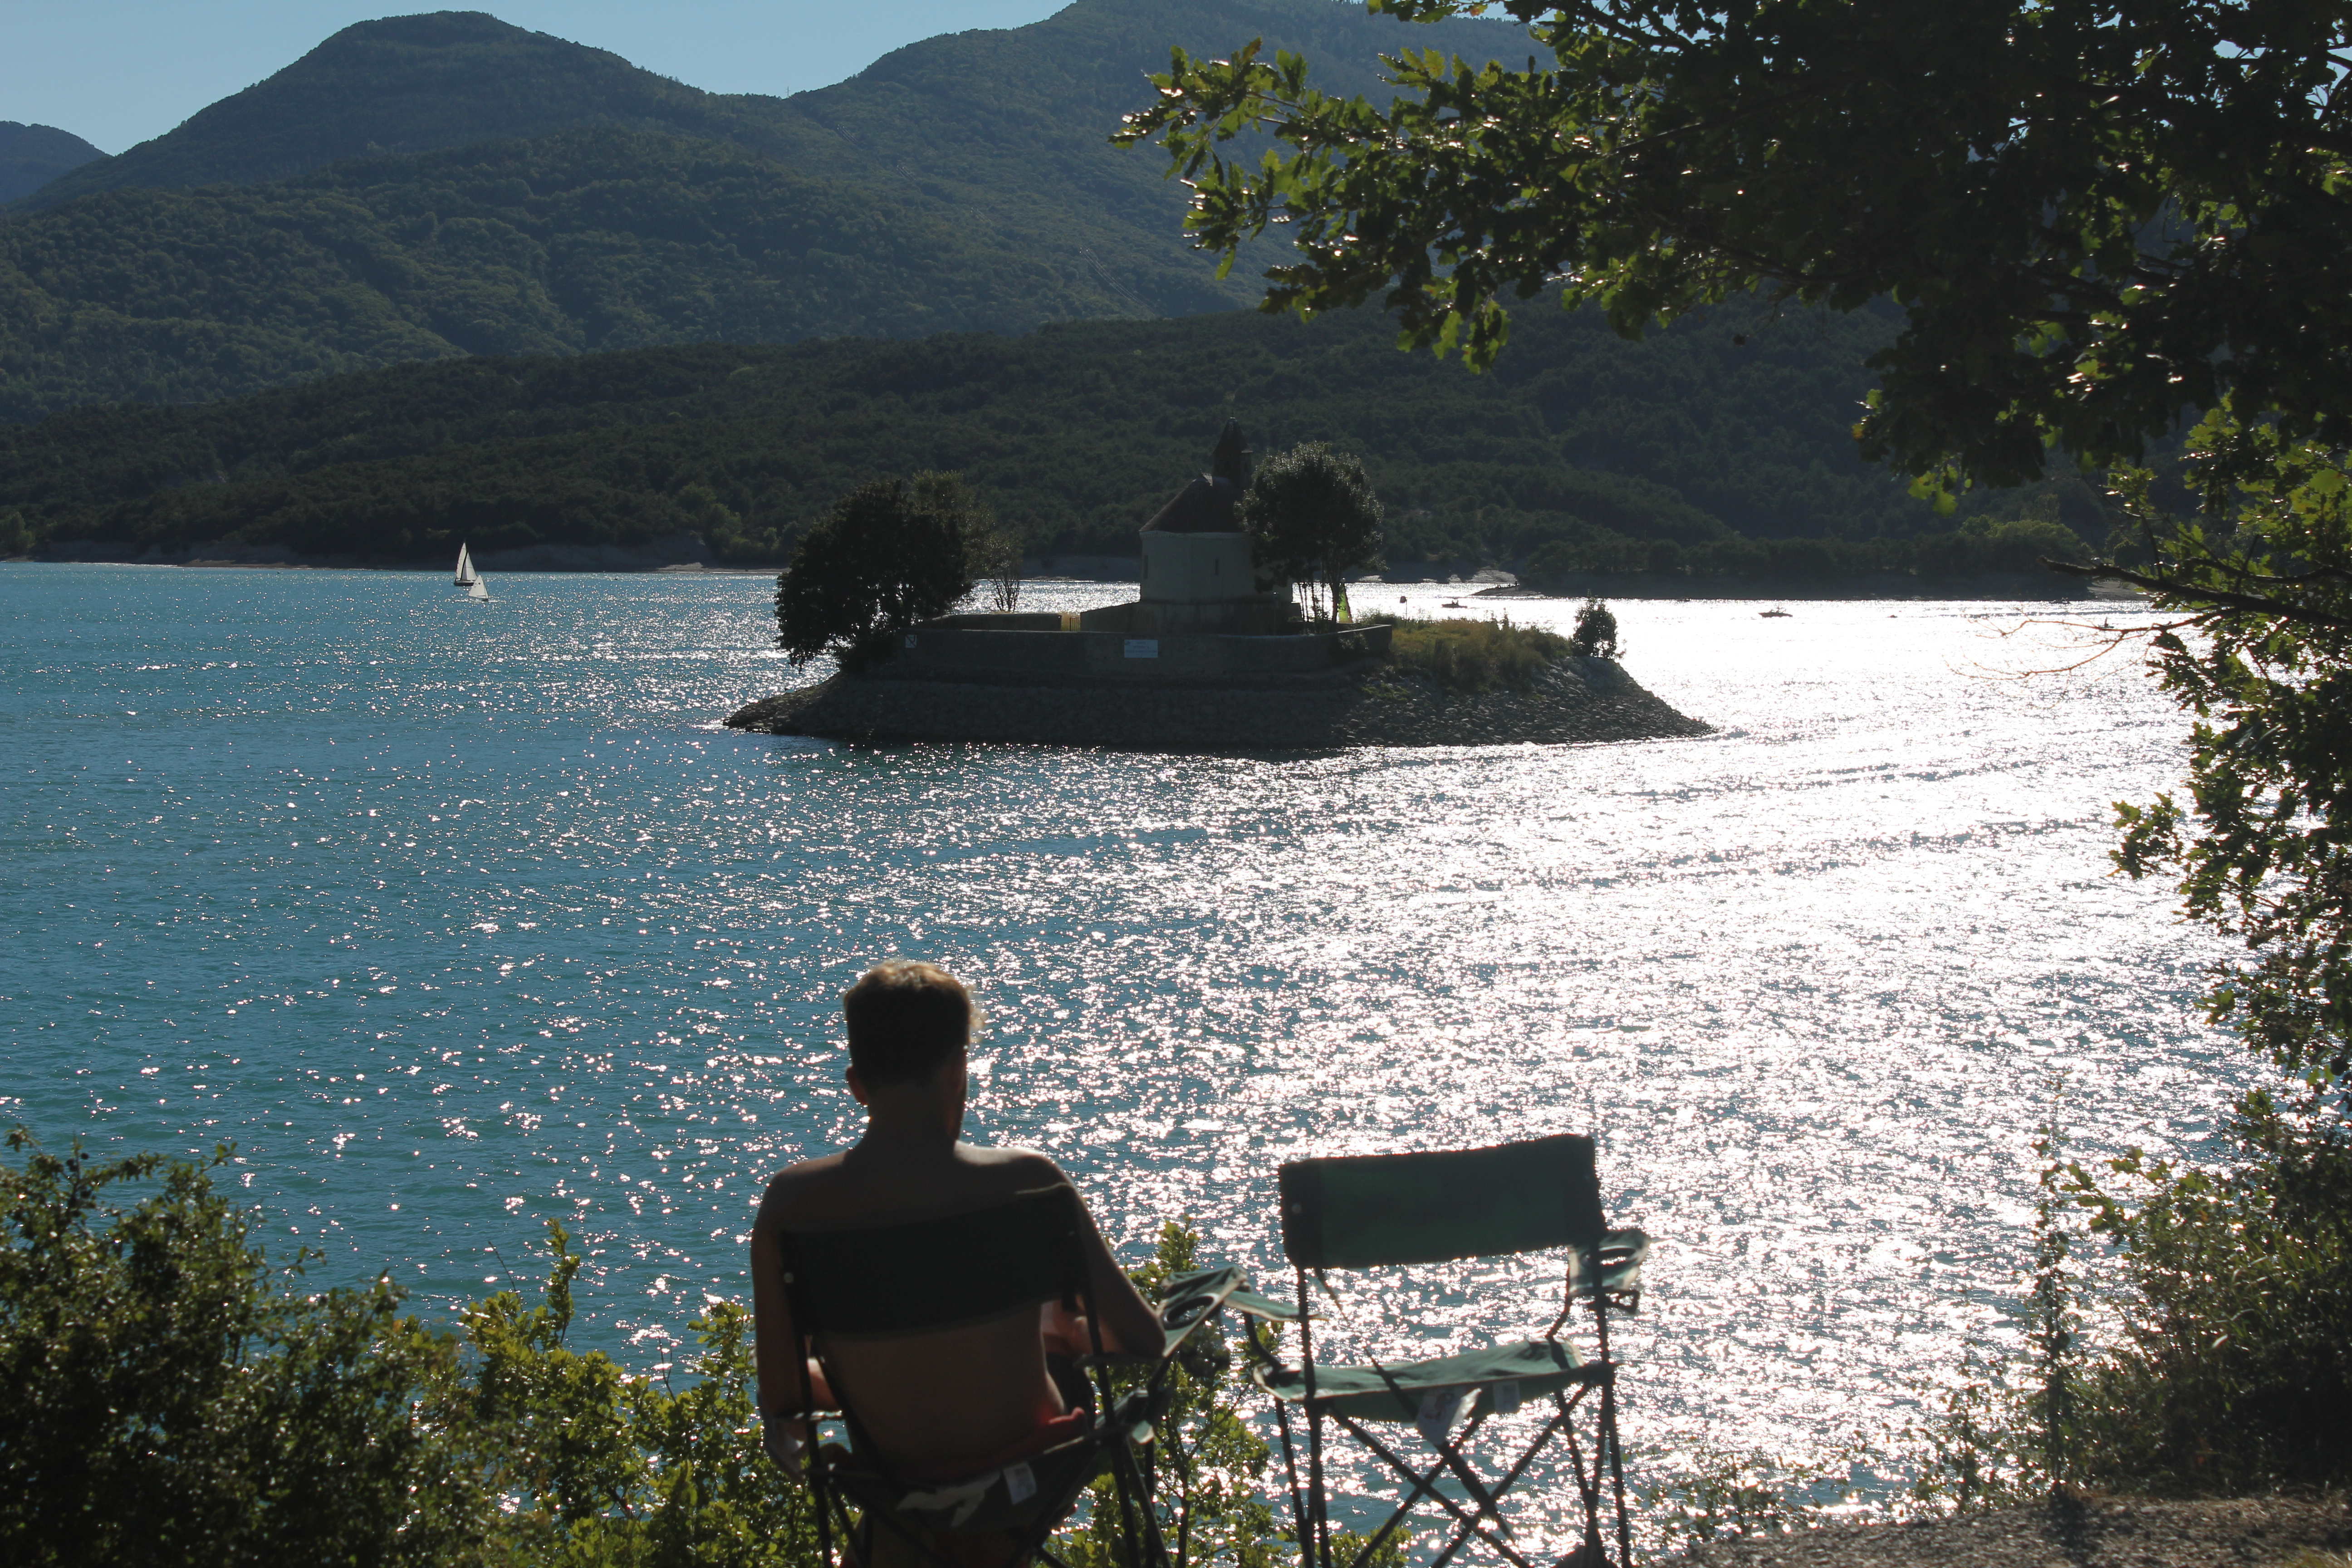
(2068, 1533)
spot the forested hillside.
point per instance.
(352, 213)
(1582, 441)
(584, 240)
(33, 155)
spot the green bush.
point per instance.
(2234, 1370)
(169, 1396)
(1475, 656)
(166, 1396)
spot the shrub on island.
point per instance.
(1475, 656)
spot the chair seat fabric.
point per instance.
(1003, 1498)
(1622, 1253)
(1396, 1392)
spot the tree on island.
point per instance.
(1595, 636)
(889, 553)
(2098, 222)
(996, 556)
(1312, 519)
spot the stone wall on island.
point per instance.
(984, 649)
(1371, 703)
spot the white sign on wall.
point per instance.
(1144, 648)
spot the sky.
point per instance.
(118, 72)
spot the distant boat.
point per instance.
(1451, 605)
(467, 578)
(1775, 613)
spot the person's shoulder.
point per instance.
(790, 1190)
(1020, 1168)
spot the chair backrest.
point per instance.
(937, 1274)
(1374, 1209)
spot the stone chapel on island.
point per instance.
(1196, 575)
(1199, 615)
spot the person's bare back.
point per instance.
(933, 1401)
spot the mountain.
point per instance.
(324, 219)
(1690, 441)
(405, 84)
(588, 239)
(32, 157)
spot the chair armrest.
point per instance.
(1622, 1253)
(1258, 1306)
(1192, 1299)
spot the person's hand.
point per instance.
(777, 1437)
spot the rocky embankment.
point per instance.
(1372, 704)
(2069, 1532)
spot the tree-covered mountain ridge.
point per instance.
(1710, 447)
(425, 186)
(583, 240)
(33, 155)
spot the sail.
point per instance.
(467, 576)
(475, 589)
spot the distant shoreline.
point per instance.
(2002, 587)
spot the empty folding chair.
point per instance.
(1382, 1210)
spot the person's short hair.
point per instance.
(906, 1019)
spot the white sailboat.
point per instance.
(467, 578)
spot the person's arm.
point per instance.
(1127, 1320)
(776, 1350)
(790, 1382)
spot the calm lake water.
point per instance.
(454, 917)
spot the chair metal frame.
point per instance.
(1603, 1270)
(1044, 1229)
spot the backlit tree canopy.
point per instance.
(1312, 519)
(2097, 214)
(888, 555)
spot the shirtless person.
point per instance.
(934, 1402)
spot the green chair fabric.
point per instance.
(1396, 1390)
(1384, 1210)
(1372, 1210)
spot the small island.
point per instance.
(1209, 658)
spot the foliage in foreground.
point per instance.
(2094, 216)
(168, 1395)
(2234, 1371)
(889, 553)
(1475, 656)
(1206, 1460)
(2259, 652)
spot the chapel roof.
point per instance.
(1207, 504)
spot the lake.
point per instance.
(454, 917)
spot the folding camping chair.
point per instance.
(1388, 1209)
(900, 1280)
